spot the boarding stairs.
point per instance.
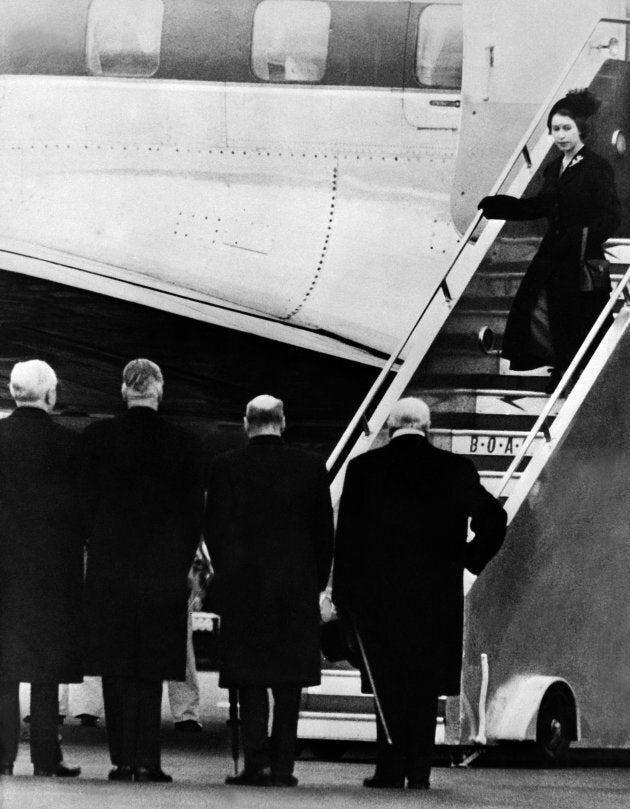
(498, 419)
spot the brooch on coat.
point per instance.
(575, 160)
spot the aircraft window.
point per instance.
(124, 37)
(440, 45)
(290, 40)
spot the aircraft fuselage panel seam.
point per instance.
(324, 250)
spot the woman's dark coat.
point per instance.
(41, 552)
(582, 196)
(400, 553)
(143, 486)
(270, 535)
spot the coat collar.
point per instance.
(27, 412)
(138, 412)
(574, 169)
(409, 440)
(266, 440)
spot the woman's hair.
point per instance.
(579, 105)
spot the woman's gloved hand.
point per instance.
(490, 207)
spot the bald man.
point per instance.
(400, 553)
(41, 569)
(270, 536)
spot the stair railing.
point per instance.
(542, 423)
(394, 376)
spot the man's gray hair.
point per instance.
(142, 379)
(411, 413)
(265, 411)
(30, 381)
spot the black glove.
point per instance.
(490, 207)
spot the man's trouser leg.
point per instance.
(184, 696)
(422, 713)
(254, 705)
(9, 722)
(148, 718)
(113, 693)
(389, 754)
(45, 750)
(64, 699)
(284, 728)
(132, 718)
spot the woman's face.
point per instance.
(565, 133)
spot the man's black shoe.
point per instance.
(418, 785)
(88, 720)
(189, 726)
(6, 769)
(123, 773)
(145, 775)
(60, 719)
(284, 781)
(378, 782)
(250, 778)
(61, 770)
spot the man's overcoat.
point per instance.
(400, 554)
(582, 196)
(270, 536)
(41, 552)
(143, 485)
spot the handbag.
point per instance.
(594, 272)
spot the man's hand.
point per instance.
(327, 609)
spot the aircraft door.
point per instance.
(433, 68)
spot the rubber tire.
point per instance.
(327, 749)
(554, 728)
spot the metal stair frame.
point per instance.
(372, 414)
(562, 422)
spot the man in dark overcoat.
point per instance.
(143, 486)
(400, 553)
(270, 536)
(41, 569)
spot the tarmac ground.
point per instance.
(200, 762)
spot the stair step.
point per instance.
(450, 361)
(483, 421)
(501, 284)
(488, 443)
(495, 463)
(469, 321)
(488, 401)
(481, 382)
(492, 479)
(484, 301)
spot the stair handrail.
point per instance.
(622, 288)
(360, 417)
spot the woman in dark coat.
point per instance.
(551, 316)
(41, 568)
